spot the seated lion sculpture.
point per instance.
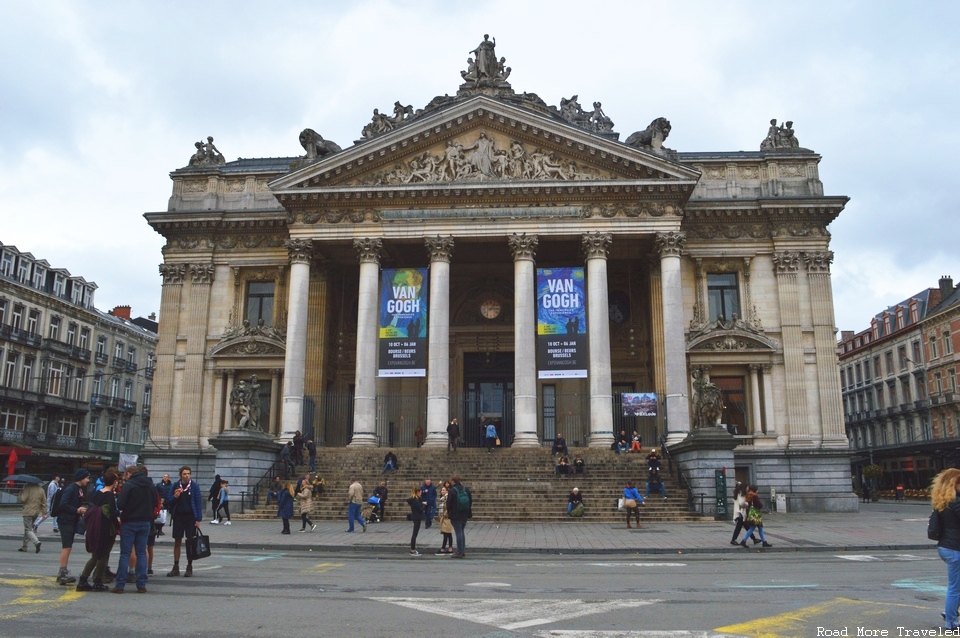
(315, 146)
(652, 137)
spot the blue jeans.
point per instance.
(750, 531)
(313, 464)
(133, 536)
(952, 558)
(430, 513)
(353, 514)
(388, 466)
(458, 525)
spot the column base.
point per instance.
(526, 439)
(675, 437)
(363, 440)
(435, 440)
(601, 440)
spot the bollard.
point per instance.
(242, 494)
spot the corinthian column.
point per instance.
(595, 247)
(438, 365)
(670, 245)
(295, 361)
(365, 398)
(524, 250)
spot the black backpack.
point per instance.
(55, 503)
(935, 525)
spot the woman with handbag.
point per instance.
(285, 506)
(97, 564)
(740, 510)
(754, 517)
(418, 508)
(446, 526)
(943, 497)
(632, 502)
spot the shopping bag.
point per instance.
(198, 547)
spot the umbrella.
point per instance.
(23, 478)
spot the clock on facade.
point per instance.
(490, 309)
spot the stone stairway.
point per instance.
(516, 485)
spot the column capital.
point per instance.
(439, 248)
(173, 274)
(786, 262)
(523, 247)
(596, 245)
(275, 372)
(368, 249)
(301, 250)
(670, 244)
(755, 367)
(201, 274)
(818, 262)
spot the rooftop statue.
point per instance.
(651, 138)
(207, 154)
(315, 146)
(779, 137)
(484, 68)
(381, 123)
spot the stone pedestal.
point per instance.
(243, 456)
(700, 454)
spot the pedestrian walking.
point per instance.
(136, 502)
(460, 510)
(34, 500)
(214, 497)
(96, 566)
(740, 510)
(943, 497)
(446, 526)
(285, 506)
(68, 515)
(186, 509)
(52, 488)
(354, 503)
(754, 517)
(491, 435)
(418, 509)
(453, 435)
(223, 500)
(305, 498)
(632, 502)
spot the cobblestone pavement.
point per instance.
(885, 525)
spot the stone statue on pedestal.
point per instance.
(708, 404)
(245, 404)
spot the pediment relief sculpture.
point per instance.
(249, 340)
(485, 159)
(733, 334)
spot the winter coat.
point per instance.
(416, 509)
(454, 512)
(138, 499)
(284, 504)
(305, 499)
(190, 503)
(34, 501)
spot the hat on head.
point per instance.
(80, 474)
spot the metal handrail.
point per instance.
(682, 481)
(264, 479)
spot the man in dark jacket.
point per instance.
(137, 500)
(286, 457)
(186, 508)
(71, 509)
(453, 434)
(312, 454)
(429, 494)
(459, 514)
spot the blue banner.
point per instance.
(561, 323)
(404, 297)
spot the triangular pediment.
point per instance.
(482, 142)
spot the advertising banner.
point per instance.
(561, 323)
(403, 322)
(639, 404)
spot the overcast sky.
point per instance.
(99, 101)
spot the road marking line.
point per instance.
(257, 559)
(516, 613)
(860, 558)
(866, 558)
(638, 564)
(488, 585)
(322, 568)
(929, 585)
(797, 622)
(33, 590)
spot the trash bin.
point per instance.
(901, 493)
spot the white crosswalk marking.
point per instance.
(866, 558)
(638, 564)
(515, 613)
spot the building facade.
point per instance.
(693, 264)
(76, 383)
(898, 380)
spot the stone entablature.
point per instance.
(747, 175)
(238, 185)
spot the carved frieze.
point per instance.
(173, 274)
(202, 274)
(670, 244)
(368, 249)
(800, 229)
(439, 248)
(729, 231)
(195, 186)
(226, 242)
(596, 245)
(334, 216)
(523, 246)
(482, 160)
(635, 209)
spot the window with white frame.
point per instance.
(902, 357)
(951, 380)
(6, 264)
(67, 426)
(23, 271)
(87, 297)
(42, 421)
(84, 338)
(115, 387)
(55, 328)
(13, 418)
(124, 429)
(93, 423)
(933, 348)
(78, 385)
(10, 369)
(55, 379)
(147, 397)
(26, 374)
(39, 277)
(16, 319)
(917, 355)
(97, 384)
(905, 390)
(33, 321)
(72, 334)
(76, 293)
(132, 355)
(111, 432)
(937, 383)
(118, 350)
(947, 344)
(900, 321)
(59, 284)
(3, 311)
(128, 391)
(101, 345)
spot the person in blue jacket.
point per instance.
(429, 493)
(185, 505)
(285, 506)
(491, 435)
(631, 493)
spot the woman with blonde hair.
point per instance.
(285, 505)
(944, 500)
(418, 509)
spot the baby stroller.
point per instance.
(369, 513)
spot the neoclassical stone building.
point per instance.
(694, 263)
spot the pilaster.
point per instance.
(786, 266)
(161, 424)
(198, 308)
(295, 359)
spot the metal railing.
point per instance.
(682, 481)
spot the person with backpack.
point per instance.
(137, 502)
(101, 534)
(459, 510)
(574, 502)
(68, 507)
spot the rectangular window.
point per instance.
(128, 391)
(42, 422)
(902, 357)
(78, 386)
(734, 403)
(937, 383)
(23, 271)
(723, 296)
(880, 403)
(111, 429)
(933, 348)
(101, 346)
(124, 429)
(87, 297)
(39, 277)
(866, 371)
(13, 418)
(118, 350)
(132, 355)
(115, 387)
(6, 264)
(55, 328)
(16, 319)
(10, 369)
(952, 380)
(26, 374)
(148, 396)
(917, 356)
(843, 378)
(888, 358)
(3, 311)
(72, 334)
(947, 344)
(260, 302)
(97, 383)
(33, 321)
(859, 372)
(905, 389)
(59, 284)
(55, 379)
(76, 293)
(92, 426)
(892, 392)
(67, 426)
(876, 367)
(84, 338)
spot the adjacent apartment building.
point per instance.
(75, 382)
(899, 383)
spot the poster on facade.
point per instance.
(639, 404)
(561, 323)
(403, 323)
